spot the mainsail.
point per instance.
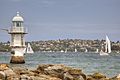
(108, 45)
(28, 49)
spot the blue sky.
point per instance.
(61, 19)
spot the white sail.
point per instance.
(66, 50)
(108, 45)
(86, 50)
(96, 51)
(28, 49)
(103, 53)
(75, 50)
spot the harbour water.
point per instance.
(88, 62)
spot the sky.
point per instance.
(63, 19)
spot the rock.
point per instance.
(61, 71)
(90, 78)
(67, 76)
(49, 72)
(13, 78)
(2, 75)
(118, 76)
(20, 70)
(44, 77)
(98, 76)
(25, 77)
(115, 77)
(10, 72)
(4, 67)
(43, 66)
(55, 71)
(75, 71)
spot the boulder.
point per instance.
(74, 71)
(3, 75)
(67, 76)
(10, 72)
(20, 70)
(61, 71)
(4, 67)
(55, 71)
(44, 77)
(98, 76)
(25, 77)
(43, 66)
(115, 77)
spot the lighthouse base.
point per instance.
(17, 59)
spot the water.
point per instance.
(88, 62)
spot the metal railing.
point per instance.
(18, 30)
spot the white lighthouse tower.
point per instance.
(17, 43)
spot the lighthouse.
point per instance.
(17, 32)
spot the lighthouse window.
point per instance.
(13, 23)
(18, 24)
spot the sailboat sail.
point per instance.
(75, 50)
(28, 49)
(107, 47)
(86, 50)
(96, 50)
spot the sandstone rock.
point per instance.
(13, 78)
(43, 66)
(10, 72)
(90, 78)
(25, 77)
(4, 67)
(75, 71)
(2, 75)
(115, 77)
(55, 71)
(61, 71)
(98, 76)
(67, 76)
(118, 76)
(20, 70)
(44, 77)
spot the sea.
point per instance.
(88, 62)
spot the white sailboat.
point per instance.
(96, 50)
(107, 47)
(28, 49)
(86, 50)
(66, 50)
(75, 50)
(62, 51)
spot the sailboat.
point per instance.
(86, 50)
(107, 47)
(28, 49)
(66, 50)
(96, 50)
(75, 50)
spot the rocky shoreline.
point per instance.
(49, 72)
